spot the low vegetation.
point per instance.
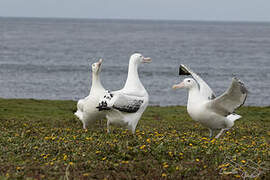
(42, 139)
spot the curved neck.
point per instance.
(96, 84)
(133, 82)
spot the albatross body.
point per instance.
(86, 108)
(211, 111)
(126, 106)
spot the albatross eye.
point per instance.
(188, 80)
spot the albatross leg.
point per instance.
(108, 126)
(84, 126)
(211, 132)
(100, 123)
(133, 130)
(219, 134)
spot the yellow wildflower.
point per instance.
(86, 174)
(165, 165)
(143, 146)
(65, 157)
(237, 175)
(97, 152)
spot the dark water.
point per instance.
(50, 58)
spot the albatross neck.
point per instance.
(133, 81)
(193, 95)
(96, 84)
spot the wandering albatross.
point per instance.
(126, 106)
(211, 111)
(86, 108)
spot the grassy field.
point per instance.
(42, 139)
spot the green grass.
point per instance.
(42, 139)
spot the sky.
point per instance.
(217, 10)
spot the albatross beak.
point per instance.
(146, 60)
(99, 62)
(180, 85)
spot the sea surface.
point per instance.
(51, 58)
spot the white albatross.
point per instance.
(86, 108)
(211, 111)
(126, 106)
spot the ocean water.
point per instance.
(51, 58)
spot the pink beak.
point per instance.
(180, 85)
(99, 62)
(146, 60)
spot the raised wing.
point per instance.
(121, 102)
(234, 97)
(205, 90)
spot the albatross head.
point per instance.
(96, 66)
(186, 83)
(138, 58)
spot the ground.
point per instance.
(42, 139)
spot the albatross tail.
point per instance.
(229, 123)
(79, 114)
(233, 117)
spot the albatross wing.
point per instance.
(120, 101)
(230, 100)
(205, 90)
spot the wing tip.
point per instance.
(183, 70)
(243, 90)
(242, 86)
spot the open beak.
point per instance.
(180, 85)
(146, 60)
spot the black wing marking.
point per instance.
(103, 104)
(121, 102)
(183, 71)
(130, 107)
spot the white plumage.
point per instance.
(86, 108)
(211, 111)
(126, 106)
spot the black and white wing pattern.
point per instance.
(105, 101)
(120, 101)
(234, 97)
(205, 90)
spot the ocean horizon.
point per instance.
(50, 58)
